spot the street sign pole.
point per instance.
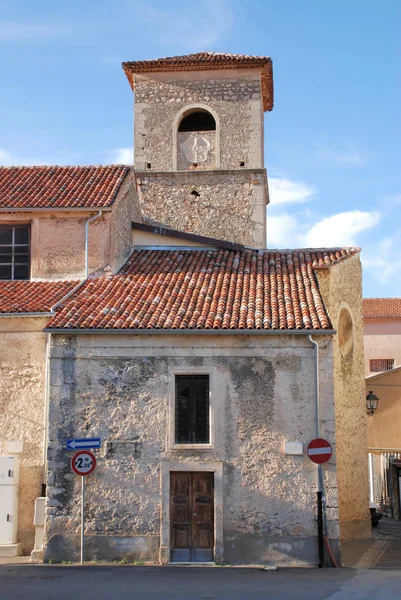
(83, 463)
(82, 519)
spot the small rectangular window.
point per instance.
(192, 414)
(377, 365)
(14, 252)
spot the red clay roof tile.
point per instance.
(32, 296)
(382, 307)
(60, 187)
(205, 289)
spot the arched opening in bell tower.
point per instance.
(197, 120)
(196, 139)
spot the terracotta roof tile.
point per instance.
(381, 307)
(203, 61)
(205, 289)
(32, 296)
(60, 187)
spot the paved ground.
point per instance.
(389, 533)
(382, 551)
(46, 582)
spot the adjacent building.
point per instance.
(382, 341)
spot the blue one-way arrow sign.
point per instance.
(83, 444)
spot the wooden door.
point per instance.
(191, 517)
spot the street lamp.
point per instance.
(371, 403)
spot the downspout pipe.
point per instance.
(320, 484)
(47, 367)
(317, 403)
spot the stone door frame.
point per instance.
(211, 467)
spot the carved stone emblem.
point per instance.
(196, 148)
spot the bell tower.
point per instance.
(198, 143)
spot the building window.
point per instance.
(192, 409)
(14, 252)
(198, 120)
(376, 365)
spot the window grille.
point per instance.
(192, 422)
(14, 252)
(377, 365)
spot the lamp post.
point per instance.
(371, 403)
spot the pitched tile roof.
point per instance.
(205, 289)
(60, 187)
(32, 296)
(381, 307)
(203, 61)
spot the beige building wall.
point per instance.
(382, 339)
(119, 387)
(22, 401)
(341, 288)
(384, 428)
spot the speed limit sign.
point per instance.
(83, 463)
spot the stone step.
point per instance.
(10, 550)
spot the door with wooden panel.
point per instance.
(191, 516)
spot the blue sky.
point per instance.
(333, 140)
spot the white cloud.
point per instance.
(341, 229)
(347, 155)
(121, 156)
(301, 230)
(283, 231)
(384, 260)
(284, 191)
(194, 30)
(7, 159)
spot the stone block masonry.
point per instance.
(233, 96)
(228, 205)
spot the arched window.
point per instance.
(197, 120)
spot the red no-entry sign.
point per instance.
(319, 451)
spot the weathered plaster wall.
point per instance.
(58, 237)
(384, 428)
(58, 242)
(22, 397)
(117, 387)
(147, 238)
(382, 339)
(230, 205)
(341, 288)
(233, 94)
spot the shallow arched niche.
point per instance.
(345, 332)
(186, 110)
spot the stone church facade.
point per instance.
(182, 342)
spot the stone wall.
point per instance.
(233, 95)
(341, 288)
(228, 205)
(22, 398)
(119, 388)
